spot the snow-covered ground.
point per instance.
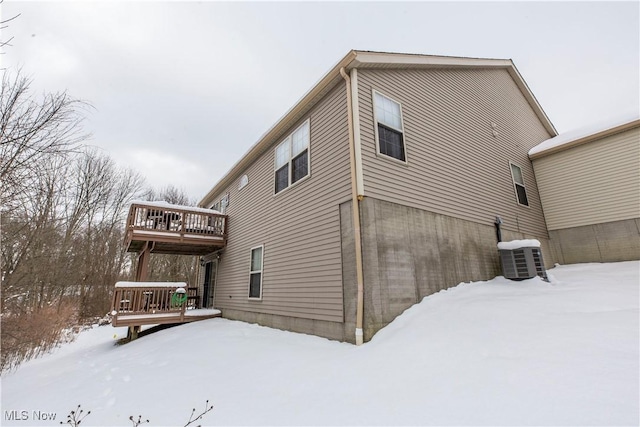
(485, 353)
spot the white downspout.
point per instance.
(356, 197)
(355, 109)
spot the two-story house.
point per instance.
(379, 187)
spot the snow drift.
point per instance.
(485, 353)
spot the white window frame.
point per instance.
(515, 184)
(244, 180)
(224, 203)
(375, 126)
(261, 271)
(289, 140)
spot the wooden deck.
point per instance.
(174, 230)
(162, 228)
(139, 303)
(165, 318)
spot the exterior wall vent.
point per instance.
(521, 260)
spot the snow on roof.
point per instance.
(517, 244)
(166, 205)
(151, 285)
(585, 131)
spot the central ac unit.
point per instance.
(521, 259)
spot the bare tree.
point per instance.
(169, 194)
(33, 129)
(3, 26)
(62, 211)
(62, 249)
(102, 194)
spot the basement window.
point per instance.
(389, 127)
(292, 158)
(518, 184)
(255, 273)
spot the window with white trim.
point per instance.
(518, 185)
(255, 273)
(292, 158)
(389, 128)
(224, 203)
(244, 180)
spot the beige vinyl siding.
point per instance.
(592, 183)
(299, 227)
(455, 165)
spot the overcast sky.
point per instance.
(181, 90)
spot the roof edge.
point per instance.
(530, 97)
(281, 123)
(400, 59)
(358, 58)
(586, 139)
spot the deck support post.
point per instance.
(142, 268)
(132, 332)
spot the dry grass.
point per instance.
(30, 334)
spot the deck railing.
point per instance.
(176, 221)
(146, 302)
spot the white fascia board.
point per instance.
(537, 108)
(371, 59)
(401, 59)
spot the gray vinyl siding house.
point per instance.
(590, 189)
(421, 148)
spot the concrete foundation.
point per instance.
(410, 253)
(349, 279)
(606, 242)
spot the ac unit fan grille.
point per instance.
(520, 261)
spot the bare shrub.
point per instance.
(26, 335)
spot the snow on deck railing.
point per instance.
(151, 285)
(517, 244)
(149, 299)
(167, 205)
(177, 220)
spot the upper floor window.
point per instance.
(518, 183)
(224, 203)
(221, 205)
(244, 180)
(389, 129)
(292, 158)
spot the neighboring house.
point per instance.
(379, 187)
(589, 183)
